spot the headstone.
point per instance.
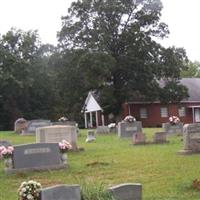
(160, 137)
(61, 192)
(175, 128)
(128, 129)
(90, 136)
(5, 143)
(33, 124)
(41, 156)
(102, 130)
(127, 191)
(65, 123)
(191, 139)
(57, 133)
(20, 125)
(139, 138)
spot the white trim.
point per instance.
(97, 120)
(85, 117)
(103, 122)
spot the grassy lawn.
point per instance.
(110, 160)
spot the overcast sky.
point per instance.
(44, 15)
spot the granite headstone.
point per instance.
(61, 192)
(90, 136)
(173, 128)
(128, 129)
(57, 133)
(127, 191)
(33, 124)
(102, 130)
(191, 139)
(139, 138)
(20, 125)
(38, 156)
(160, 137)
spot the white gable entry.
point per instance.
(90, 108)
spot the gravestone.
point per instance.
(191, 139)
(65, 123)
(33, 157)
(102, 130)
(20, 125)
(127, 191)
(5, 143)
(57, 133)
(90, 136)
(61, 192)
(128, 129)
(160, 137)
(175, 128)
(33, 124)
(139, 138)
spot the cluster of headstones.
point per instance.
(24, 127)
(133, 129)
(45, 153)
(127, 191)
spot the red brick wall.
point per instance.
(154, 118)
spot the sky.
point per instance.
(45, 16)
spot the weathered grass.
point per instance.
(109, 161)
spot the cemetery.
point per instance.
(108, 163)
(108, 112)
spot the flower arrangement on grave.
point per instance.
(112, 125)
(64, 146)
(29, 190)
(173, 120)
(6, 152)
(129, 119)
(63, 119)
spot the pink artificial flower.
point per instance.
(10, 148)
(4, 151)
(2, 148)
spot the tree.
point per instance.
(25, 84)
(193, 70)
(124, 30)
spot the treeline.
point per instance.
(108, 47)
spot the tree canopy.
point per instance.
(126, 31)
(108, 46)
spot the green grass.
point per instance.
(109, 161)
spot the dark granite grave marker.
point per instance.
(33, 124)
(127, 129)
(39, 156)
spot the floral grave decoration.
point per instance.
(29, 190)
(64, 146)
(6, 152)
(173, 120)
(129, 119)
(112, 125)
(63, 119)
